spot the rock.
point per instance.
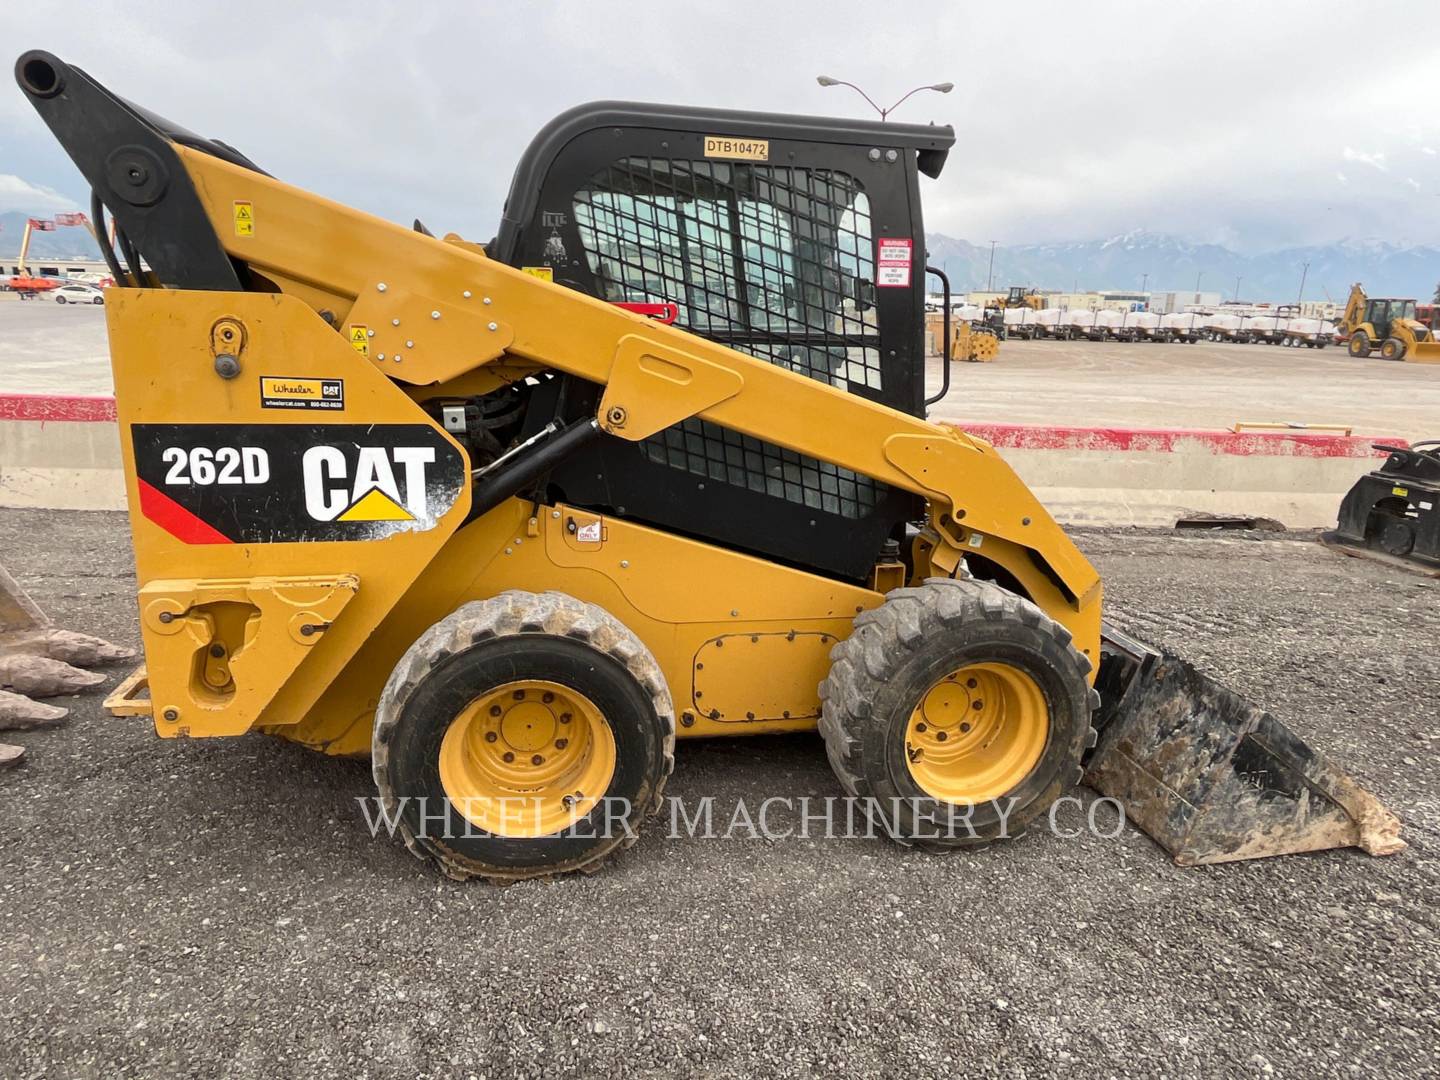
(72, 647)
(19, 713)
(39, 676)
(84, 650)
(11, 755)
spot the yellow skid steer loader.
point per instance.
(508, 518)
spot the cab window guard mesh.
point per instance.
(773, 261)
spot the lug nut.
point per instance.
(519, 695)
(971, 683)
(537, 760)
(508, 757)
(547, 697)
(490, 736)
(921, 727)
(564, 717)
(940, 736)
(495, 710)
(964, 728)
(978, 705)
(560, 744)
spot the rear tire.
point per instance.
(533, 642)
(1392, 349)
(1359, 345)
(958, 639)
(60, 300)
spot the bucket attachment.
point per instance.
(1424, 352)
(1213, 778)
(1392, 515)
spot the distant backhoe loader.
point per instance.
(453, 507)
(1391, 323)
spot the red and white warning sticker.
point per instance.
(892, 262)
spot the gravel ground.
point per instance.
(219, 908)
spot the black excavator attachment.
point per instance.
(1210, 776)
(1393, 514)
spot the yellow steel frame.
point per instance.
(439, 318)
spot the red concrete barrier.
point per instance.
(62, 452)
(1152, 476)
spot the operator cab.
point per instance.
(1381, 313)
(798, 240)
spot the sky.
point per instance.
(1244, 124)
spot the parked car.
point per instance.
(79, 294)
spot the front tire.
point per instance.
(1359, 345)
(958, 711)
(1392, 349)
(60, 300)
(523, 736)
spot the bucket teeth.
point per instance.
(1213, 778)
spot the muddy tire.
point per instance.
(473, 656)
(1392, 349)
(884, 677)
(1359, 344)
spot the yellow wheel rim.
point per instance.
(977, 733)
(529, 758)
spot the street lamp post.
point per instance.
(1300, 300)
(990, 277)
(939, 88)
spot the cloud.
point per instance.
(19, 194)
(1169, 122)
(1413, 182)
(1375, 160)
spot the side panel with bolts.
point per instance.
(210, 461)
(734, 635)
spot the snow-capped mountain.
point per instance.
(1165, 263)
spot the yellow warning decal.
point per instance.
(360, 339)
(1404, 493)
(375, 505)
(544, 273)
(726, 146)
(244, 217)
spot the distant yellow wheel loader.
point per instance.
(467, 510)
(1390, 323)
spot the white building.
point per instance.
(1165, 302)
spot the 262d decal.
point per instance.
(282, 483)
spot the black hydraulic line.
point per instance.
(510, 473)
(132, 257)
(945, 346)
(102, 237)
